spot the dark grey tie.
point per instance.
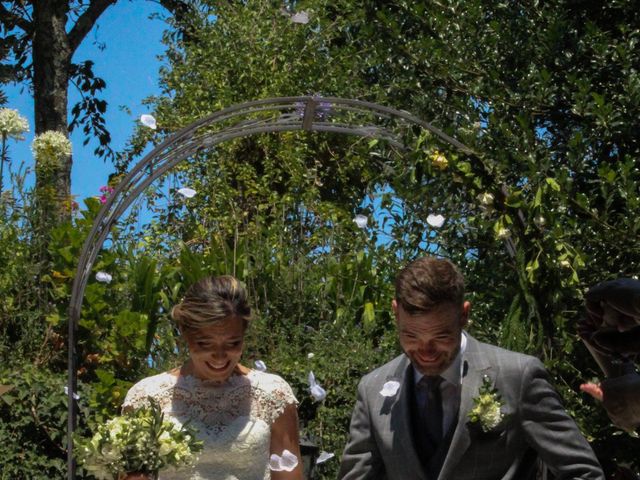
(432, 414)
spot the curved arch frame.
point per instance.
(283, 114)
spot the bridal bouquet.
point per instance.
(141, 441)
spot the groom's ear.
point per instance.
(464, 317)
(394, 307)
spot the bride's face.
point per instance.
(216, 350)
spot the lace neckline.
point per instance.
(190, 380)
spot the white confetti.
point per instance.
(390, 388)
(187, 192)
(324, 456)
(75, 395)
(148, 121)
(260, 365)
(310, 355)
(103, 277)
(300, 17)
(317, 392)
(435, 221)
(361, 221)
(287, 462)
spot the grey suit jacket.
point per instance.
(536, 425)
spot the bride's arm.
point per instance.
(284, 436)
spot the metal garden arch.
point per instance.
(284, 114)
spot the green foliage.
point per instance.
(545, 93)
(33, 418)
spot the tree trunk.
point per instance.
(51, 63)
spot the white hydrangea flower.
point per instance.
(12, 124)
(492, 416)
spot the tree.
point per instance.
(40, 37)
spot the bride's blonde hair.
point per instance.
(211, 300)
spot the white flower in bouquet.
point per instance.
(141, 441)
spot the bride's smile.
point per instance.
(215, 350)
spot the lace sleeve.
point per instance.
(138, 395)
(274, 396)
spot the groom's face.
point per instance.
(431, 339)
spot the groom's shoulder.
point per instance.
(504, 356)
(383, 372)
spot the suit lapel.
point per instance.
(475, 367)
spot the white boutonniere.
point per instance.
(487, 410)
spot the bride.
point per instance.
(243, 416)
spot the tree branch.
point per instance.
(86, 21)
(9, 19)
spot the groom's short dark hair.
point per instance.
(428, 282)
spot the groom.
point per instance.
(415, 417)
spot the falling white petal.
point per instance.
(361, 221)
(312, 379)
(310, 355)
(75, 395)
(103, 277)
(260, 365)
(148, 121)
(324, 456)
(435, 221)
(187, 192)
(288, 461)
(318, 393)
(274, 463)
(300, 17)
(390, 388)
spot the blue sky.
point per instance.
(128, 64)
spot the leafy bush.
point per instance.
(33, 423)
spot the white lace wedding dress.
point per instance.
(233, 420)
